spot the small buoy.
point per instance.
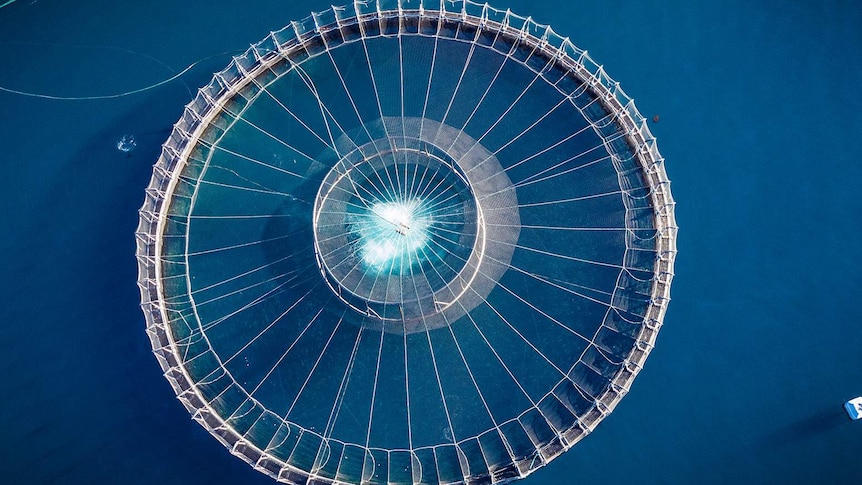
(655, 119)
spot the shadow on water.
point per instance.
(807, 427)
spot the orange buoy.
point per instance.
(655, 119)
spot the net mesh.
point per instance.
(533, 344)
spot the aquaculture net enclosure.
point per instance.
(416, 242)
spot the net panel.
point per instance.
(575, 283)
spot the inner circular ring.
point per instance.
(398, 230)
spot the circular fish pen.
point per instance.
(429, 242)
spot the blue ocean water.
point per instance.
(758, 108)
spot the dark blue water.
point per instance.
(759, 108)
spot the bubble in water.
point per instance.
(126, 143)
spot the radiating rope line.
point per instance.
(284, 355)
(436, 368)
(564, 375)
(506, 112)
(237, 246)
(532, 346)
(251, 159)
(240, 116)
(501, 117)
(246, 189)
(559, 174)
(269, 326)
(560, 201)
(200, 304)
(272, 293)
(547, 253)
(265, 89)
(259, 162)
(550, 283)
(339, 395)
(430, 80)
(487, 90)
(240, 216)
(356, 230)
(221, 282)
(367, 201)
(563, 228)
(557, 255)
(467, 60)
(411, 191)
(464, 359)
(345, 381)
(438, 204)
(356, 109)
(309, 82)
(281, 194)
(533, 178)
(376, 93)
(209, 325)
(407, 379)
(501, 285)
(546, 149)
(592, 341)
(422, 195)
(523, 132)
(401, 85)
(373, 396)
(508, 371)
(423, 190)
(316, 363)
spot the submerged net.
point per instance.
(428, 243)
